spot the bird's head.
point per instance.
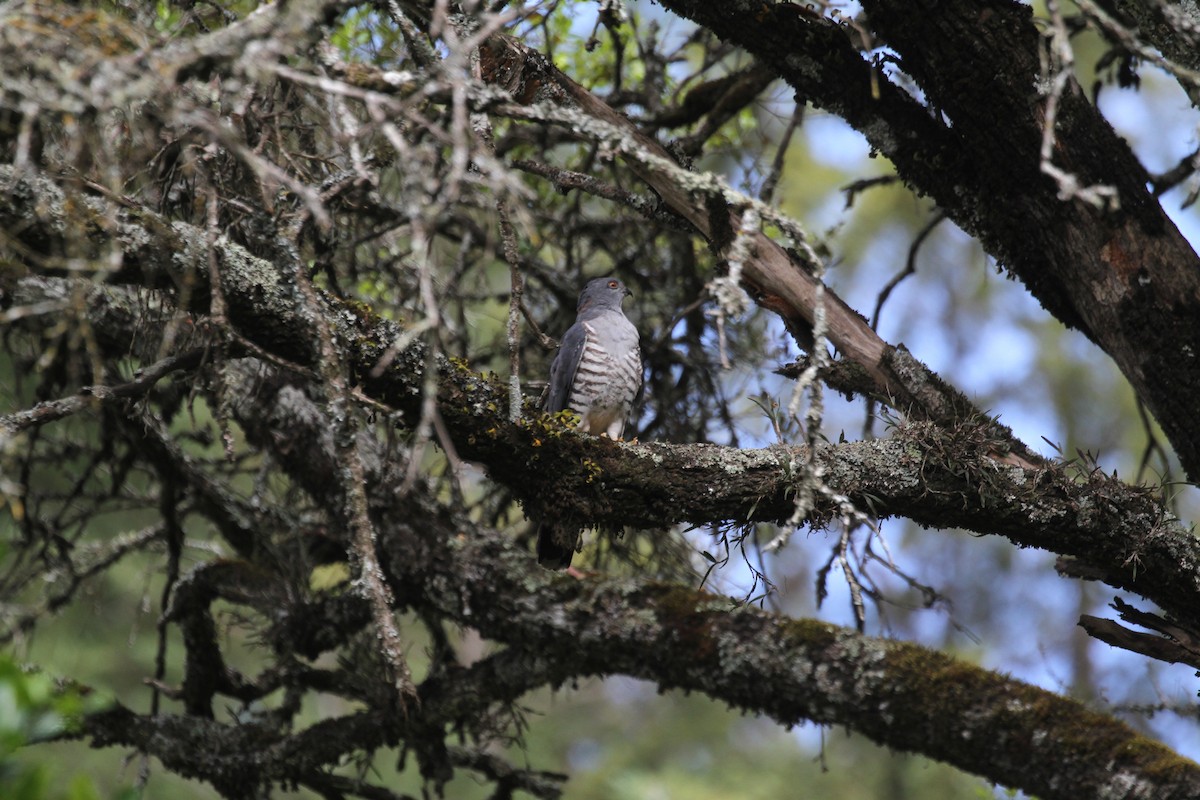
(603, 293)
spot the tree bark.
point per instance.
(296, 372)
(940, 477)
(1126, 278)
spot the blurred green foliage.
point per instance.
(35, 709)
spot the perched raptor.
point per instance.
(596, 374)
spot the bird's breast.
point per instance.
(608, 377)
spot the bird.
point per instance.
(597, 373)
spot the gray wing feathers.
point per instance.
(596, 373)
(564, 366)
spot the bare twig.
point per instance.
(1058, 59)
(88, 397)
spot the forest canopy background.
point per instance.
(919, 305)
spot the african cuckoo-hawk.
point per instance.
(596, 374)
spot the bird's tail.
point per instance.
(552, 550)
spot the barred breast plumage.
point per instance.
(608, 375)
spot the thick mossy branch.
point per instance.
(899, 694)
(945, 478)
(937, 477)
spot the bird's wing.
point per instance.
(566, 363)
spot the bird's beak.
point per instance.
(628, 293)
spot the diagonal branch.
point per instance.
(781, 280)
(1128, 280)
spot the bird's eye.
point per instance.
(612, 284)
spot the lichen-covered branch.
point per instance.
(899, 694)
(559, 628)
(944, 477)
(253, 273)
(1128, 280)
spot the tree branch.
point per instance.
(898, 694)
(946, 478)
(1128, 280)
(1176, 644)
